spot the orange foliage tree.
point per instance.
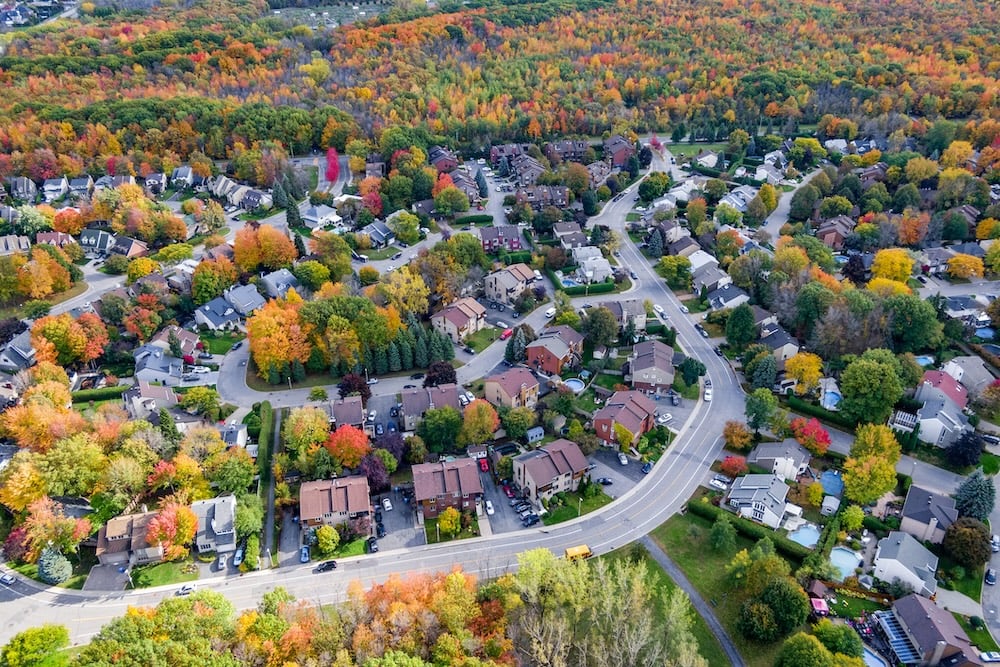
(173, 529)
(348, 445)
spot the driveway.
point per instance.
(504, 519)
(623, 478)
(106, 578)
(289, 540)
(401, 529)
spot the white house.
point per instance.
(787, 459)
(901, 556)
(320, 217)
(216, 524)
(761, 498)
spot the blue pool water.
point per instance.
(806, 535)
(873, 659)
(992, 349)
(845, 561)
(832, 483)
(985, 332)
(831, 399)
(575, 384)
(569, 282)
(925, 360)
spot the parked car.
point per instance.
(186, 589)
(380, 530)
(995, 543)
(708, 395)
(658, 308)
(717, 485)
(502, 325)
(507, 332)
(507, 491)
(991, 656)
(409, 386)
(205, 355)
(469, 350)
(326, 566)
(633, 275)
(237, 345)
(604, 481)
(684, 309)
(372, 381)
(991, 576)
(200, 370)
(222, 561)
(484, 465)
(394, 411)
(379, 429)
(417, 376)
(489, 508)
(622, 459)
(665, 418)
(304, 554)
(922, 279)
(397, 255)
(723, 479)
(530, 521)
(387, 504)
(647, 467)
(238, 558)
(7, 579)
(372, 545)
(372, 414)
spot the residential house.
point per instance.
(460, 319)
(152, 283)
(574, 240)
(217, 315)
(739, 198)
(333, 502)
(554, 348)
(968, 309)
(82, 187)
(968, 248)
(782, 344)
(347, 411)
(143, 399)
(597, 173)
(55, 188)
(256, 199)
(374, 167)
(617, 151)
(568, 150)
(500, 237)
(768, 173)
(236, 195)
(58, 239)
(245, 299)
(442, 159)
(927, 515)
(941, 418)
(379, 234)
(593, 270)
(321, 216)
(122, 179)
(129, 247)
(651, 367)
(96, 242)
(23, 189)
(900, 556)
(224, 250)
(514, 388)
(8, 214)
(707, 159)
(105, 182)
(627, 310)
(156, 183)
(672, 231)
(728, 296)
(182, 177)
(834, 231)
(971, 371)
(761, 498)
(554, 468)
(561, 229)
(763, 317)
(18, 354)
(417, 401)
(525, 170)
(123, 540)
(629, 409)
(222, 186)
(684, 247)
(467, 185)
(216, 524)
(787, 459)
(506, 151)
(935, 260)
(539, 197)
(836, 146)
(701, 261)
(277, 283)
(152, 364)
(437, 486)
(187, 340)
(710, 278)
(234, 435)
(12, 244)
(921, 633)
(506, 285)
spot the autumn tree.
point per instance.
(807, 369)
(304, 428)
(48, 526)
(173, 529)
(893, 264)
(737, 436)
(449, 521)
(262, 247)
(811, 435)
(868, 478)
(36, 647)
(877, 440)
(278, 337)
(965, 266)
(348, 445)
(479, 422)
(734, 466)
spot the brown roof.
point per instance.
(511, 381)
(124, 533)
(555, 459)
(462, 311)
(348, 410)
(333, 496)
(189, 341)
(155, 391)
(521, 271)
(415, 401)
(628, 408)
(448, 478)
(653, 354)
(444, 394)
(929, 624)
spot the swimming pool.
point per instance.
(873, 659)
(985, 333)
(807, 535)
(832, 483)
(569, 282)
(831, 399)
(992, 349)
(574, 384)
(845, 560)
(925, 360)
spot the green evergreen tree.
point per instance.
(434, 351)
(300, 245)
(405, 353)
(421, 357)
(273, 375)
(395, 361)
(168, 428)
(381, 361)
(654, 246)
(293, 216)
(279, 196)
(298, 371)
(447, 349)
(53, 567)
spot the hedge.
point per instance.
(581, 290)
(519, 257)
(102, 394)
(264, 442)
(798, 405)
(474, 219)
(751, 530)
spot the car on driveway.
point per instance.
(529, 521)
(379, 429)
(484, 465)
(991, 656)
(507, 491)
(380, 530)
(186, 589)
(721, 486)
(417, 376)
(7, 579)
(489, 508)
(723, 479)
(326, 566)
(372, 545)
(622, 459)
(387, 504)
(604, 481)
(304, 554)
(238, 558)
(665, 418)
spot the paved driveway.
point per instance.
(106, 578)
(381, 405)
(623, 478)
(401, 529)
(504, 519)
(289, 540)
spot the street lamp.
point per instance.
(579, 505)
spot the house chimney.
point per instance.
(938, 652)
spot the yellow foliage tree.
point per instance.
(965, 266)
(886, 287)
(893, 264)
(807, 369)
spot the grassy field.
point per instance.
(569, 510)
(318, 380)
(352, 548)
(430, 529)
(161, 574)
(708, 645)
(75, 290)
(690, 150)
(695, 305)
(221, 342)
(380, 253)
(81, 563)
(482, 339)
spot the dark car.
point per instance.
(379, 429)
(409, 386)
(417, 376)
(372, 545)
(506, 363)
(326, 566)
(205, 355)
(604, 481)
(530, 521)
(397, 255)
(378, 516)
(236, 345)
(380, 529)
(393, 411)
(647, 467)
(991, 576)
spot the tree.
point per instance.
(914, 325)
(967, 541)
(231, 470)
(756, 621)
(304, 428)
(805, 649)
(332, 165)
(740, 327)
(975, 496)
(803, 202)
(807, 369)
(868, 478)
(406, 290)
(869, 391)
(811, 435)
(373, 467)
(965, 266)
(311, 274)
(348, 445)
(691, 369)
(450, 521)
(53, 567)
(73, 466)
(676, 270)
(737, 436)
(440, 372)
(734, 466)
(36, 647)
(173, 528)
(451, 200)
(760, 407)
(353, 384)
(838, 638)
(831, 207)
(876, 440)
(211, 278)
(479, 422)
(327, 540)
(966, 450)
(851, 519)
(893, 264)
(439, 428)
(249, 515)
(789, 603)
(517, 421)
(516, 346)
(203, 400)
(406, 226)
(723, 534)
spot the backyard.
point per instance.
(575, 506)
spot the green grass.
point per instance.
(81, 563)
(608, 381)
(585, 401)
(990, 463)
(569, 510)
(851, 607)
(482, 339)
(708, 645)
(430, 529)
(221, 342)
(352, 548)
(690, 150)
(91, 407)
(632, 217)
(379, 253)
(312, 380)
(980, 637)
(75, 290)
(695, 305)
(313, 173)
(689, 392)
(685, 539)
(162, 574)
(971, 585)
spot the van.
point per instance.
(506, 334)
(362, 258)
(578, 552)
(551, 312)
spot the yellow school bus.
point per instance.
(578, 552)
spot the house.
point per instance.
(460, 319)
(143, 399)
(256, 199)
(12, 244)
(514, 388)
(783, 345)
(834, 231)
(216, 524)
(245, 299)
(739, 198)
(437, 486)
(727, 296)
(901, 556)
(55, 188)
(836, 146)
(222, 186)
(707, 159)
(23, 189)
(122, 179)
(593, 270)
(968, 248)
(568, 150)
(710, 278)
(188, 341)
(500, 237)
(574, 240)
(554, 468)
(18, 354)
(320, 217)
(415, 402)
(442, 159)
(941, 416)
(597, 173)
(153, 283)
(96, 242)
(763, 317)
(935, 259)
(8, 214)
(651, 367)
(129, 247)
(374, 166)
(82, 187)
(104, 183)
(701, 261)
(671, 231)
(543, 196)
(629, 409)
(787, 459)
(234, 435)
(971, 371)
(182, 177)
(236, 195)
(347, 411)
(684, 247)
(156, 183)
(332, 502)
(967, 309)
(525, 170)
(506, 285)
(760, 498)
(152, 364)
(379, 234)
(768, 173)
(943, 382)
(921, 633)
(217, 315)
(927, 515)
(617, 151)
(277, 283)
(58, 239)
(554, 348)
(123, 540)
(506, 151)
(627, 310)
(224, 250)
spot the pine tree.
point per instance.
(381, 361)
(168, 428)
(53, 567)
(300, 245)
(293, 216)
(508, 353)
(520, 345)
(395, 360)
(279, 196)
(298, 371)
(273, 376)
(447, 349)
(434, 351)
(405, 353)
(654, 246)
(421, 357)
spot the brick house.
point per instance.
(554, 348)
(331, 502)
(460, 319)
(651, 367)
(437, 486)
(349, 410)
(617, 151)
(515, 388)
(631, 409)
(500, 237)
(507, 284)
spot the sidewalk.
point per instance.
(958, 602)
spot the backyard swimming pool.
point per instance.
(925, 360)
(873, 659)
(807, 535)
(569, 282)
(985, 333)
(832, 483)
(575, 385)
(845, 560)
(831, 399)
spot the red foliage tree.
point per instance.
(348, 445)
(173, 529)
(734, 466)
(332, 164)
(811, 435)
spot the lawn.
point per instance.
(685, 539)
(81, 563)
(430, 529)
(379, 253)
(695, 305)
(990, 463)
(482, 339)
(352, 548)
(92, 406)
(221, 342)
(161, 574)
(75, 290)
(689, 392)
(970, 585)
(632, 217)
(608, 381)
(312, 380)
(852, 607)
(708, 645)
(690, 150)
(980, 636)
(586, 402)
(569, 510)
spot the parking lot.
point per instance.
(401, 529)
(382, 405)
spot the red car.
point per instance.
(484, 465)
(506, 334)
(507, 492)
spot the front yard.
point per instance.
(162, 574)
(434, 537)
(482, 339)
(220, 342)
(81, 562)
(575, 506)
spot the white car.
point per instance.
(186, 589)
(991, 656)
(684, 309)
(387, 504)
(200, 369)
(708, 395)
(372, 414)
(658, 308)
(622, 459)
(489, 508)
(469, 396)
(665, 418)
(720, 485)
(372, 380)
(7, 579)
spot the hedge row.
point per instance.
(798, 405)
(751, 530)
(264, 442)
(474, 219)
(102, 394)
(581, 290)
(519, 257)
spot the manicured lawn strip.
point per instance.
(161, 574)
(708, 645)
(695, 305)
(608, 381)
(990, 463)
(569, 510)
(352, 548)
(312, 380)
(483, 338)
(430, 529)
(690, 150)
(685, 539)
(970, 585)
(221, 343)
(379, 253)
(981, 637)
(81, 563)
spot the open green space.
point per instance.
(575, 506)
(312, 380)
(75, 290)
(690, 150)
(379, 253)
(482, 339)
(695, 305)
(708, 645)
(162, 574)
(608, 381)
(431, 530)
(632, 217)
(82, 562)
(220, 342)
(352, 548)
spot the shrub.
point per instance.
(751, 530)
(53, 567)
(102, 394)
